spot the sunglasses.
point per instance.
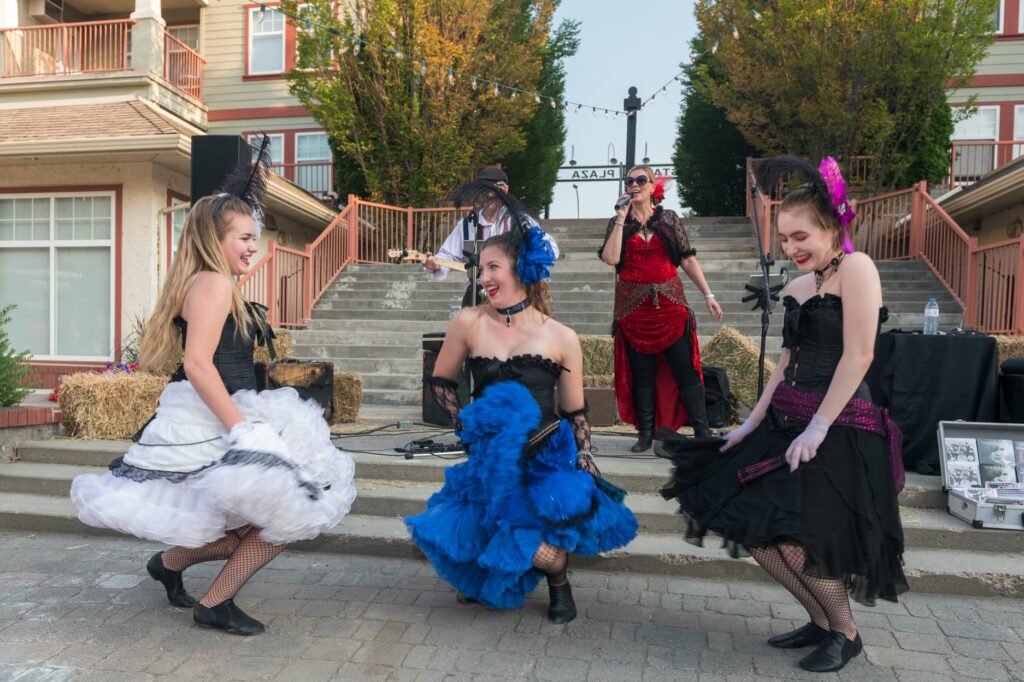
(640, 181)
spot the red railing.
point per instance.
(59, 49)
(290, 282)
(316, 177)
(988, 281)
(972, 160)
(183, 67)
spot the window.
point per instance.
(266, 41)
(1018, 130)
(997, 17)
(975, 154)
(313, 162)
(276, 149)
(188, 34)
(56, 264)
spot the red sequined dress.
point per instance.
(651, 312)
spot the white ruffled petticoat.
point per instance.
(182, 484)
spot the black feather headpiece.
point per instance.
(771, 173)
(479, 194)
(248, 182)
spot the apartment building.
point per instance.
(99, 100)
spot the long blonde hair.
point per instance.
(198, 251)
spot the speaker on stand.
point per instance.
(213, 157)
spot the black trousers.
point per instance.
(680, 360)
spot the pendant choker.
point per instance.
(821, 275)
(512, 310)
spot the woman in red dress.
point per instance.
(658, 380)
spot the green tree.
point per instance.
(389, 80)
(533, 171)
(843, 77)
(13, 365)
(710, 153)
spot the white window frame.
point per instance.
(979, 109)
(199, 35)
(253, 22)
(277, 142)
(1000, 24)
(53, 244)
(1018, 123)
(310, 133)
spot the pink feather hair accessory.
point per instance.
(844, 212)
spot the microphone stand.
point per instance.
(764, 296)
(472, 229)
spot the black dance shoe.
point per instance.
(227, 617)
(563, 608)
(171, 580)
(836, 652)
(463, 598)
(806, 635)
(643, 442)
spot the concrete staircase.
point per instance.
(372, 319)
(943, 554)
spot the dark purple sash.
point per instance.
(858, 414)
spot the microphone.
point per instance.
(623, 201)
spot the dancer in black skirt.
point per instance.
(808, 483)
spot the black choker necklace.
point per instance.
(820, 275)
(512, 310)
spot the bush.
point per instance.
(13, 366)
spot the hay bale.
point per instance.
(1009, 346)
(734, 353)
(108, 406)
(348, 396)
(599, 381)
(282, 344)
(598, 355)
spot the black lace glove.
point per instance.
(446, 394)
(581, 430)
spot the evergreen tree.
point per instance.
(13, 367)
(710, 154)
(533, 171)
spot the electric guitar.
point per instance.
(410, 254)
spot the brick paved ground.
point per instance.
(82, 608)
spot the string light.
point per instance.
(536, 98)
(735, 33)
(495, 89)
(423, 68)
(472, 83)
(554, 104)
(714, 48)
(262, 14)
(757, 15)
(451, 77)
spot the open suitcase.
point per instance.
(973, 454)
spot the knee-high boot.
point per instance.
(643, 401)
(692, 398)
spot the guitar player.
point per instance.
(490, 220)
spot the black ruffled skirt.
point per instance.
(841, 507)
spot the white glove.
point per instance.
(739, 433)
(805, 446)
(238, 430)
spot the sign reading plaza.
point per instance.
(605, 173)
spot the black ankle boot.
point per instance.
(692, 399)
(171, 580)
(227, 617)
(643, 401)
(563, 608)
(833, 654)
(806, 635)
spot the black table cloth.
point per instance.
(927, 379)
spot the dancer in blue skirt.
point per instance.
(529, 492)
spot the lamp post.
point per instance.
(632, 107)
(612, 161)
(577, 188)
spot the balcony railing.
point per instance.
(183, 67)
(60, 49)
(316, 177)
(970, 161)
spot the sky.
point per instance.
(622, 44)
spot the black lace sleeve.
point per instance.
(682, 239)
(581, 430)
(446, 394)
(607, 235)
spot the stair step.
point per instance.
(929, 570)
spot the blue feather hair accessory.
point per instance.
(535, 257)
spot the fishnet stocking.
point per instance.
(830, 593)
(446, 394)
(770, 559)
(251, 555)
(581, 432)
(553, 562)
(180, 558)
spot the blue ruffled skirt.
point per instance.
(482, 529)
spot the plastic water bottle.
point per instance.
(931, 317)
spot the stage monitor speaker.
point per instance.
(432, 412)
(213, 157)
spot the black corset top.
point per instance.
(535, 372)
(813, 333)
(233, 357)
